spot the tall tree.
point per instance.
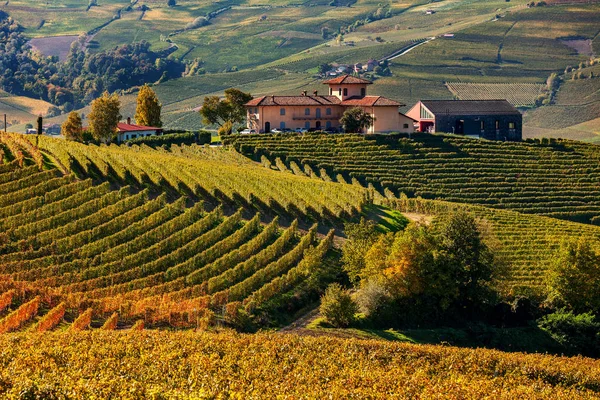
(105, 116)
(355, 120)
(227, 111)
(72, 128)
(148, 108)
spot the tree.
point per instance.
(231, 109)
(574, 278)
(148, 108)
(323, 68)
(361, 237)
(171, 3)
(355, 120)
(337, 306)
(105, 116)
(72, 128)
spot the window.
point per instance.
(307, 125)
(340, 91)
(330, 91)
(328, 111)
(482, 125)
(511, 125)
(345, 92)
(497, 125)
(425, 114)
(307, 111)
(328, 124)
(405, 126)
(363, 92)
(282, 125)
(282, 111)
(318, 113)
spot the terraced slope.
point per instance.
(219, 176)
(77, 245)
(558, 179)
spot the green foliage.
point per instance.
(227, 111)
(72, 128)
(148, 108)
(337, 306)
(105, 116)
(361, 236)
(574, 277)
(355, 120)
(578, 333)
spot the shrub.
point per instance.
(578, 333)
(200, 137)
(337, 306)
(372, 297)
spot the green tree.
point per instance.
(337, 306)
(230, 109)
(355, 120)
(361, 236)
(171, 3)
(72, 128)
(148, 108)
(574, 277)
(105, 116)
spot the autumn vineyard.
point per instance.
(143, 241)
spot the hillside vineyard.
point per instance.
(559, 179)
(73, 244)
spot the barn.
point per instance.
(487, 119)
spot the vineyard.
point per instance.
(559, 179)
(78, 253)
(178, 365)
(517, 94)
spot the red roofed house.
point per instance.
(126, 131)
(324, 111)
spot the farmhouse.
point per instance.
(323, 112)
(126, 131)
(488, 119)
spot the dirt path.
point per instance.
(302, 322)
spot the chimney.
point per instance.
(128, 120)
(316, 93)
(304, 93)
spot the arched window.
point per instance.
(282, 111)
(282, 125)
(318, 113)
(345, 92)
(307, 125)
(328, 111)
(307, 111)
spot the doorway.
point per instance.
(267, 127)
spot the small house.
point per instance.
(127, 131)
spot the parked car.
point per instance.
(248, 132)
(332, 130)
(276, 130)
(301, 130)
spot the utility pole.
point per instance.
(4, 123)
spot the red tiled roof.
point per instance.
(347, 80)
(123, 127)
(371, 101)
(293, 101)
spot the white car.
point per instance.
(301, 130)
(276, 130)
(248, 132)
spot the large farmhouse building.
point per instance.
(488, 119)
(323, 112)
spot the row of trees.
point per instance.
(106, 114)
